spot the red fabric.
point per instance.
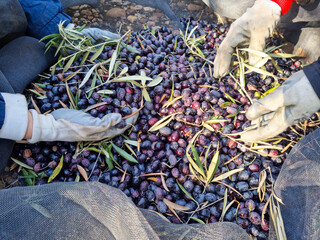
(285, 5)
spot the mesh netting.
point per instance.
(95, 211)
(298, 185)
(92, 211)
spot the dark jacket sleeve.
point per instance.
(43, 16)
(312, 72)
(2, 110)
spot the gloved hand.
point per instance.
(61, 125)
(289, 104)
(98, 35)
(307, 45)
(232, 9)
(251, 28)
(74, 125)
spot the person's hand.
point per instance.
(60, 125)
(252, 29)
(96, 34)
(99, 35)
(289, 104)
(74, 125)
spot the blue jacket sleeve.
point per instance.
(43, 16)
(2, 110)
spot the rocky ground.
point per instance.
(121, 15)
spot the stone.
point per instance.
(116, 13)
(158, 14)
(83, 6)
(136, 7)
(132, 18)
(194, 7)
(151, 24)
(74, 7)
(181, 4)
(86, 12)
(148, 9)
(176, 31)
(153, 18)
(131, 11)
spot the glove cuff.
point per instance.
(36, 132)
(312, 72)
(285, 5)
(43, 127)
(16, 117)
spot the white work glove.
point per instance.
(96, 34)
(99, 35)
(74, 125)
(252, 29)
(289, 104)
(232, 9)
(61, 125)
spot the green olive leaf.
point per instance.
(227, 174)
(213, 165)
(195, 166)
(161, 123)
(197, 220)
(97, 53)
(186, 192)
(113, 59)
(70, 61)
(124, 154)
(57, 170)
(155, 82)
(196, 157)
(146, 94)
(225, 104)
(88, 75)
(21, 164)
(84, 57)
(105, 91)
